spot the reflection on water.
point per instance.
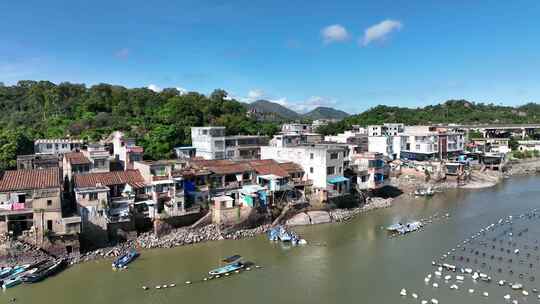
(356, 261)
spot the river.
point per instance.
(358, 262)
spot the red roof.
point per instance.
(76, 158)
(30, 179)
(135, 149)
(230, 168)
(268, 166)
(130, 177)
(291, 167)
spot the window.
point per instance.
(49, 225)
(310, 155)
(49, 203)
(92, 196)
(49, 146)
(333, 155)
(417, 147)
(330, 170)
(310, 169)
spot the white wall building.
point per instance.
(323, 164)
(380, 144)
(387, 129)
(211, 143)
(297, 128)
(426, 142)
(56, 146)
(529, 145)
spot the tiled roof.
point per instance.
(131, 177)
(76, 158)
(30, 179)
(211, 162)
(291, 167)
(268, 166)
(230, 168)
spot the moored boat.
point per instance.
(125, 259)
(44, 271)
(12, 282)
(234, 263)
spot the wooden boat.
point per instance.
(125, 259)
(11, 282)
(45, 271)
(233, 264)
(5, 272)
(424, 192)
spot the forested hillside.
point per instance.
(159, 121)
(452, 111)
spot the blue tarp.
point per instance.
(338, 179)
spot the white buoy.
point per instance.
(172, 285)
(447, 277)
(454, 287)
(514, 301)
(434, 301)
(403, 292)
(507, 297)
(188, 282)
(426, 279)
(460, 278)
(502, 282)
(525, 293)
(471, 290)
(438, 273)
(164, 286)
(485, 294)
(145, 288)
(158, 287)
(423, 302)
(435, 285)
(415, 296)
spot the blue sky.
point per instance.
(348, 54)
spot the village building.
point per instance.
(37, 161)
(370, 171)
(486, 145)
(212, 143)
(528, 145)
(124, 150)
(56, 146)
(31, 208)
(426, 142)
(323, 164)
(296, 128)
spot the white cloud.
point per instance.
(255, 94)
(181, 90)
(312, 103)
(154, 88)
(122, 53)
(380, 31)
(334, 33)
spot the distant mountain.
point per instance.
(273, 109)
(265, 106)
(325, 113)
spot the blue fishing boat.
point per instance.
(280, 233)
(14, 281)
(125, 259)
(6, 271)
(49, 269)
(233, 264)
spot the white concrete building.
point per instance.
(529, 145)
(387, 129)
(56, 146)
(211, 143)
(380, 144)
(296, 128)
(293, 139)
(125, 149)
(323, 164)
(426, 142)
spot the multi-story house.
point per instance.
(369, 169)
(31, 206)
(323, 164)
(296, 128)
(56, 146)
(426, 142)
(386, 129)
(125, 151)
(212, 143)
(37, 161)
(293, 139)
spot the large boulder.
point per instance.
(299, 219)
(319, 217)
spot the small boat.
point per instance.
(424, 192)
(6, 271)
(404, 228)
(11, 282)
(125, 259)
(46, 270)
(233, 264)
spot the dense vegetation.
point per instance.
(452, 111)
(159, 121)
